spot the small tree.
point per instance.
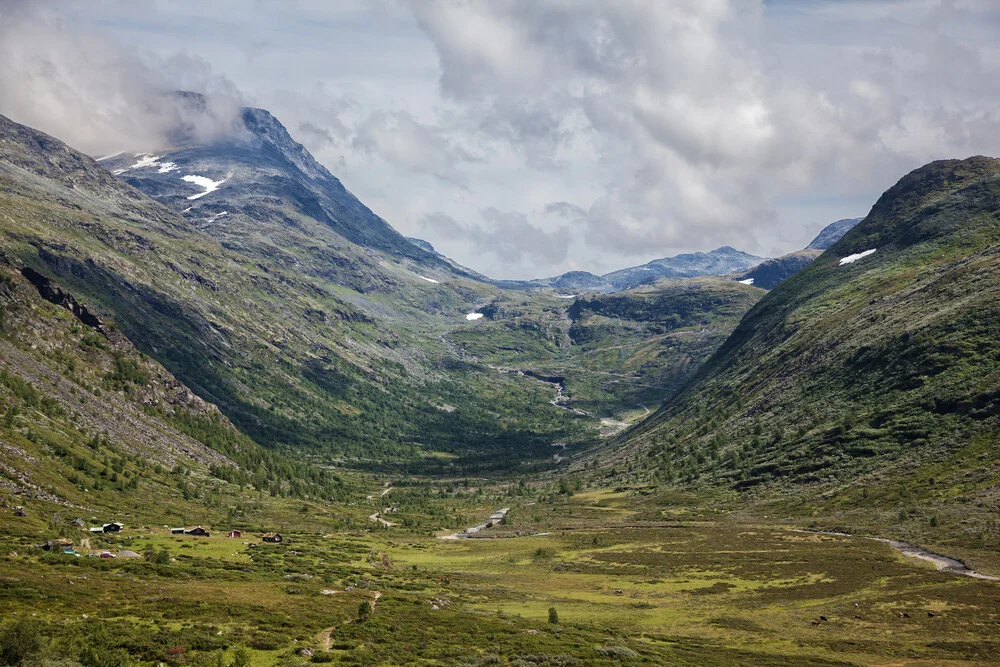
(364, 611)
(553, 615)
(241, 657)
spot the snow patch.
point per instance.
(204, 182)
(430, 280)
(850, 259)
(108, 157)
(473, 316)
(565, 296)
(144, 160)
(217, 216)
(748, 281)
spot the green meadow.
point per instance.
(625, 589)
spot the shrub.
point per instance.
(18, 641)
(553, 615)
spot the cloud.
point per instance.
(700, 112)
(401, 139)
(97, 95)
(622, 131)
(507, 235)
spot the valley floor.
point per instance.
(625, 590)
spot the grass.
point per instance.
(720, 592)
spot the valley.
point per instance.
(398, 460)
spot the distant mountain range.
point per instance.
(717, 262)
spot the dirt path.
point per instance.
(325, 638)
(377, 517)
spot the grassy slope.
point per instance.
(868, 391)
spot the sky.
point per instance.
(525, 138)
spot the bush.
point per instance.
(19, 641)
(553, 615)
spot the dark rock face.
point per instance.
(55, 294)
(767, 275)
(832, 233)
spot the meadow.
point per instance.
(569, 578)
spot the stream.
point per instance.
(943, 563)
(556, 382)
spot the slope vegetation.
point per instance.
(876, 366)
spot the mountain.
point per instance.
(770, 272)
(873, 369)
(90, 424)
(832, 233)
(304, 339)
(260, 172)
(717, 262)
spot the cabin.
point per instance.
(273, 538)
(176, 531)
(198, 531)
(58, 545)
(108, 528)
(235, 533)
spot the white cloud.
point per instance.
(658, 127)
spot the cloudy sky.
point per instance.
(530, 137)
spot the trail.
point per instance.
(494, 519)
(325, 638)
(377, 517)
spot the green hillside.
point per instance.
(872, 384)
(296, 357)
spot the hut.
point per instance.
(198, 531)
(273, 538)
(235, 533)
